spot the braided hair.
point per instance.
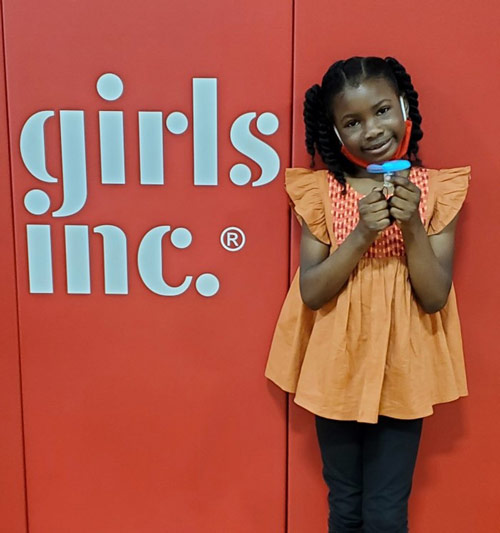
(318, 117)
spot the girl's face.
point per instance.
(369, 119)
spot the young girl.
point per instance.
(368, 338)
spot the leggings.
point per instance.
(368, 469)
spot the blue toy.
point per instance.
(388, 169)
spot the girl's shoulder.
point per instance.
(447, 192)
(307, 190)
(305, 175)
(447, 177)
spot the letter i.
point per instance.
(110, 87)
(40, 258)
(39, 244)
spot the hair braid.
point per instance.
(311, 114)
(320, 136)
(406, 87)
(329, 149)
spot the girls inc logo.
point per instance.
(112, 155)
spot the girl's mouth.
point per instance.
(379, 148)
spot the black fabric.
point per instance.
(368, 469)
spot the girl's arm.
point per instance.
(429, 258)
(322, 275)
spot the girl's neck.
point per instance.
(363, 173)
(363, 182)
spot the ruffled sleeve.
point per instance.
(304, 192)
(447, 192)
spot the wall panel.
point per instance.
(12, 489)
(449, 49)
(146, 412)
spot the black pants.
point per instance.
(368, 469)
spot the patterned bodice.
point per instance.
(345, 215)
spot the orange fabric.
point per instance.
(400, 152)
(345, 215)
(371, 350)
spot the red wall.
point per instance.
(149, 413)
(142, 412)
(451, 53)
(12, 489)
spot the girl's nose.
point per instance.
(372, 129)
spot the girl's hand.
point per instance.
(403, 205)
(373, 213)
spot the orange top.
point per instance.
(371, 349)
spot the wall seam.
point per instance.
(9, 147)
(290, 221)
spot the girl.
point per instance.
(368, 338)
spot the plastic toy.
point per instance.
(388, 169)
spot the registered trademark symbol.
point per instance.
(232, 239)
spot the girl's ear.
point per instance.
(405, 107)
(338, 134)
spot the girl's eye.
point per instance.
(383, 110)
(351, 123)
